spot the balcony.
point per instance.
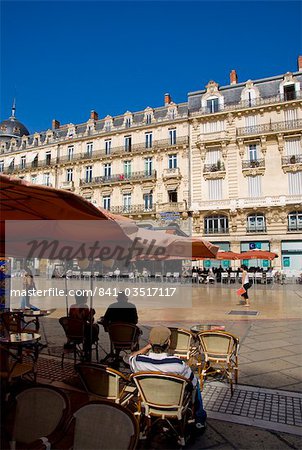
(120, 178)
(67, 185)
(295, 228)
(171, 207)
(171, 173)
(216, 231)
(133, 209)
(214, 171)
(256, 230)
(244, 104)
(292, 163)
(253, 167)
(270, 128)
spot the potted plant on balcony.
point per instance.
(218, 165)
(292, 159)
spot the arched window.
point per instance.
(216, 225)
(295, 221)
(256, 223)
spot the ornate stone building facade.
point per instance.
(226, 164)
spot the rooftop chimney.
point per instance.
(55, 124)
(233, 77)
(300, 63)
(168, 99)
(94, 115)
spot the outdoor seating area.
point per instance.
(140, 404)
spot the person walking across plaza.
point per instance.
(154, 357)
(246, 284)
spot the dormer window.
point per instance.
(212, 105)
(128, 122)
(148, 119)
(289, 92)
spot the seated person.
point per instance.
(158, 360)
(120, 311)
(81, 311)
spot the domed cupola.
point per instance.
(12, 128)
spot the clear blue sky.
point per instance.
(62, 59)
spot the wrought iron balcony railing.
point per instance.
(119, 178)
(216, 231)
(270, 127)
(296, 228)
(292, 159)
(216, 167)
(256, 229)
(250, 164)
(133, 209)
(243, 104)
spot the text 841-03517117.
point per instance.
(139, 292)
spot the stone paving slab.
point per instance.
(264, 408)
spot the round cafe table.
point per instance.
(35, 315)
(207, 327)
(19, 339)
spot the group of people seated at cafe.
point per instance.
(152, 357)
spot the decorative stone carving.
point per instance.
(214, 175)
(212, 87)
(230, 118)
(241, 147)
(280, 138)
(263, 145)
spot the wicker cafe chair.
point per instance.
(167, 397)
(182, 344)
(102, 382)
(123, 337)
(14, 366)
(220, 351)
(14, 322)
(75, 333)
(40, 413)
(104, 426)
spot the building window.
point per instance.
(88, 174)
(172, 113)
(148, 166)
(34, 179)
(289, 92)
(251, 122)
(295, 183)
(256, 223)
(148, 119)
(215, 189)
(69, 175)
(108, 147)
(128, 143)
(293, 146)
(172, 136)
(70, 151)
(48, 158)
(172, 161)
(213, 126)
(89, 148)
(252, 152)
(1, 166)
(212, 105)
(295, 221)
(216, 225)
(128, 122)
(290, 115)
(106, 202)
(46, 179)
(127, 169)
(172, 196)
(23, 162)
(107, 170)
(35, 161)
(148, 140)
(148, 201)
(108, 125)
(254, 186)
(126, 202)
